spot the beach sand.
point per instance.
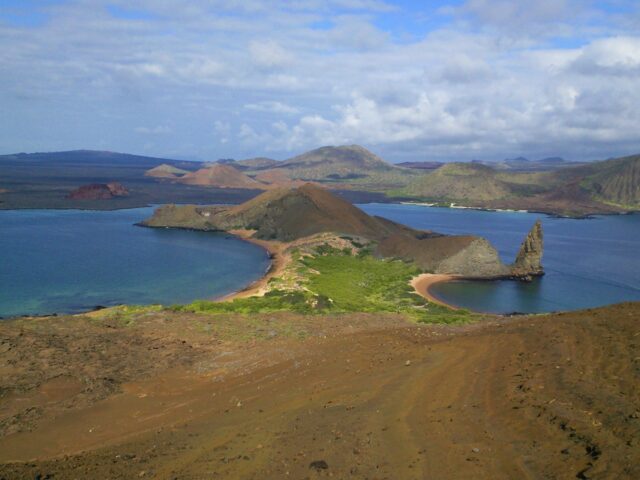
(279, 262)
(422, 284)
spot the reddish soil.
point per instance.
(284, 396)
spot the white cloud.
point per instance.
(157, 130)
(269, 54)
(272, 106)
(612, 56)
(222, 131)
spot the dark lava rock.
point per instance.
(318, 465)
(99, 191)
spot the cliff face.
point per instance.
(528, 263)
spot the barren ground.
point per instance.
(185, 396)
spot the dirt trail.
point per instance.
(534, 397)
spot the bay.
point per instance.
(69, 261)
(588, 263)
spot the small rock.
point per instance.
(407, 363)
(318, 465)
(475, 450)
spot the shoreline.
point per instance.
(548, 213)
(423, 282)
(279, 261)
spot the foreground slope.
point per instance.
(166, 395)
(288, 214)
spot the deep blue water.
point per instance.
(67, 261)
(588, 263)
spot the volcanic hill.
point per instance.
(166, 171)
(221, 176)
(288, 214)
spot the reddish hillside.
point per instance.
(165, 171)
(99, 191)
(290, 213)
(222, 176)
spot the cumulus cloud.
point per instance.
(610, 56)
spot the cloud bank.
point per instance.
(211, 79)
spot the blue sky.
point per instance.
(208, 79)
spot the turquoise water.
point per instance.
(588, 263)
(67, 261)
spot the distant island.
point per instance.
(550, 185)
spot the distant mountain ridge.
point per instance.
(598, 187)
(550, 185)
(95, 156)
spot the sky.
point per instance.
(410, 80)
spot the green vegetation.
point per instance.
(458, 182)
(125, 315)
(335, 281)
(615, 182)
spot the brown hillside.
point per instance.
(222, 176)
(617, 182)
(277, 178)
(263, 396)
(287, 214)
(165, 171)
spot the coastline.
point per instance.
(279, 261)
(422, 284)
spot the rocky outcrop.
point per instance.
(478, 260)
(528, 263)
(99, 191)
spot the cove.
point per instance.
(69, 261)
(588, 263)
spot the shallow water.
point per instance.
(588, 263)
(67, 261)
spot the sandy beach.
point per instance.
(422, 284)
(279, 261)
